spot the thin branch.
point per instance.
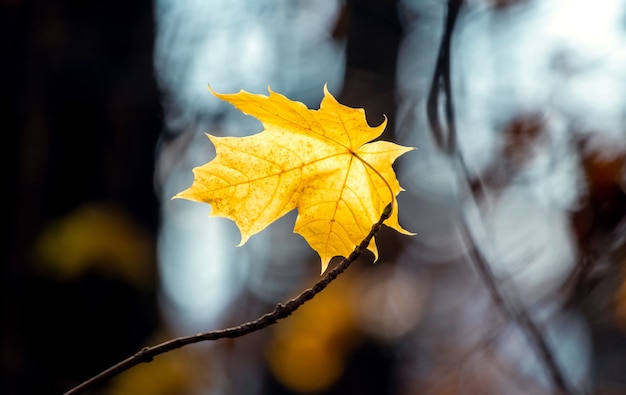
(518, 314)
(281, 311)
(447, 143)
(441, 81)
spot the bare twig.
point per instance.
(441, 81)
(518, 314)
(280, 311)
(447, 142)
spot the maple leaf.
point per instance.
(321, 162)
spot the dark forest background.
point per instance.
(81, 118)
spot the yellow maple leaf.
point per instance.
(321, 162)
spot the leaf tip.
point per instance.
(181, 195)
(324, 263)
(244, 235)
(326, 91)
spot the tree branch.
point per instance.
(281, 311)
(446, 141)
(518, 314)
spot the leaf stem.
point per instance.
(367, 164)
(281, 311)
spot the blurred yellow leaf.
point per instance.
(309, 352)
(318, 161)
(97, 236)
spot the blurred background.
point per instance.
(106, 104)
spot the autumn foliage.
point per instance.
(321, 162)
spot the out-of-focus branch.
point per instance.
(446, 139)
(280, 311)
(517, 313)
